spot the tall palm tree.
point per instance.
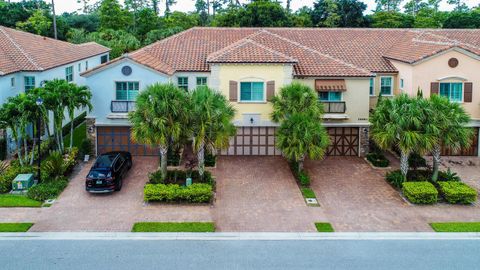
(447, 121)
(211, 122)
(399, 122)
(10, 118)
(160, 117)
(78, 97)
(300, 136)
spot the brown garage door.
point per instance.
(472, 151)
(119, 139)
(252, 141)
(344, 141)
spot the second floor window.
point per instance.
(12, 82)
(251, 91)
(183, 83)
(126, 90)
(452, 91)
(69, 73)
(201, 81)
(79, 67)
(29, 82)
(330, 96)
(372, 86)
(86, 65)
(103, 59)
(386, 86)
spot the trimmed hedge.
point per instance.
(420, 192)
(378, 160)
(457, 192)
(196, 193)
(178, 177)
(47, 190)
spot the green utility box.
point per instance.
(22, 182)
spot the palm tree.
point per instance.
(399, 122)
(302, 135)
(78, 97)
(160, 117)
(447, 121)
(10, 118)
(211, 122)
(295, 98)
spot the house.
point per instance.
(348, 68)
(28, 60)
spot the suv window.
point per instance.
(119, 163)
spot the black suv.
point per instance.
(107, 174)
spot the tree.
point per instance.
(463, 20)
(211, 122)
(113, 16)
(338, 13)
(264, 13)
(384, 19)
(459, 5)
(159, 34)
(38, 24)
(388, 5)
(447, 122)
(160, 118)
(118, 41)
(302, 17)
(77, 97)
(414, 6)
(301, 133)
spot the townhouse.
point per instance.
(28, 61)
(349, 68)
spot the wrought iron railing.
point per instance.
(334, 106)
(122, 106)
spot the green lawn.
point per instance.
(456, 227)
(324, 227)
(15, 227)
(8, 200)
(173, 227)
(308, 193)
(79, 134)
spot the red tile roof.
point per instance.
(22, 51)
(316, 52)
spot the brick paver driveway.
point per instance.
(260, 194)
(356, 197)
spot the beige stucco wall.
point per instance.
(436, 69)
(376, 86)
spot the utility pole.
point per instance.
(54, 20)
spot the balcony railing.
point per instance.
(334, 106)
(122, 106)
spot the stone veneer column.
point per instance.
(91, 132)
(364, 140)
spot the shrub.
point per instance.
(173, 157)
(457, 192)
(416, 161)
(420, 192)
(419, 175)
(179, 177)
(3, 149)
(395, 178)
(378, 160)
(304, 179)
(448, 176)
(210, 160)
(196, 193)
(10, 173)
(48, 189)
(85, 147)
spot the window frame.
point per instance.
(371, 87)
(202, 78)
(183, 86)
(104, 59)
(30, 86)
(127, 93)
(264, 100)
(329, 92)
(67, 74)
(450, 91)
(392, 83)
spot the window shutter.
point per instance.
(434, 88)
(468, 92)
(270, 90)
(233, 91)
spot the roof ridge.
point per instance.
(20, 49)
(454, 41)
(317, 52)
(230, 47)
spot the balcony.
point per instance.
(334, 106)
(122, 106)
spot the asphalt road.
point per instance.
(240, 254)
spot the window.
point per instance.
(183, 83)
(29, 82)
(79, 67)
(104, 59)
(12, 82)
(69, 73)
(126, 90)
(251, 91)
(372, 86)
(86, 65)
(452, 91)
(201, 81)
(401, 83)
(330, 96)
(386, 86)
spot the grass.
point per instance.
(324, 227)
(15, 227)
(308, 193)
(8, 200)
(456, 227)
(173, 227)
(79, 134)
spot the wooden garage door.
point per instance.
(252, 141)
(472, 151)
(119, 139)
(344, 141)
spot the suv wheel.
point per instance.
(119, 185)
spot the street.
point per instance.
(239, 253)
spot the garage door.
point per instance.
(119, 139)
(344, 141)
(472, 151)
(252, 141)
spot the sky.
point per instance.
(188, 5)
